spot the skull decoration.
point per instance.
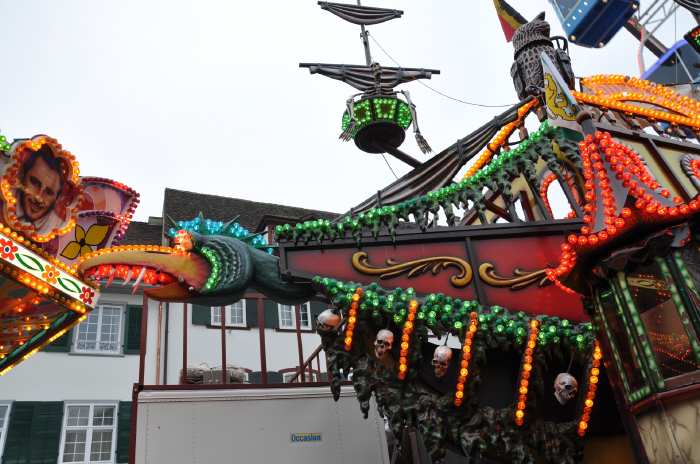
(565, 387)
(441, 360)
(327, 321)
(383, 343)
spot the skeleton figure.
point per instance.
(441, 360)
(327, 321)
(383, 343)
(565, 387)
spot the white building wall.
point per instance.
(63, 376)
(74, 376)
(242, 346)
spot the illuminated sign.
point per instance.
(693, 38)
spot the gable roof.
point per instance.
(143, 233)
(182, 205)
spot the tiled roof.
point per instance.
(183, 205)
(143, 233)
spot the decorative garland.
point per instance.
(687, 110)
(544, 188)
(406, 339)
(444, 314)
(466, 356)
(652, 204)
(594, 372)
(494, 176)
(498, 141)
(525, 372)
(352, 319)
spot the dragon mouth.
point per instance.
(168, 274)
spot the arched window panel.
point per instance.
(626, 354)
(657, 304)
(687, 264)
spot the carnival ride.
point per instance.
(430, 256)
(43, 234)
(607, 295)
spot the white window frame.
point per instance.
(120, 336)
(228, 314)
(3, 429)
(305, 307)
(90, 428)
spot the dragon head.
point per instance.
(210, 263)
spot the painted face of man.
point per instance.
(41, 187)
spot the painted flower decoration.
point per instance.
(7, 249)
(50, 274)
(84, 241)
(87, 295)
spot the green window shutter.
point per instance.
(201, 315)
(46, 432)
(251, 312)
(34, 432)
(274, 377)
(132, 335)
(271, 315)
(255, 377)
(60, 345)
(19, 429)
(123, 431)
(316, 309)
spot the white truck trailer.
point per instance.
(298, 425)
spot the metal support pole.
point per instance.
(299, 345)
(144, 335)
(261, 333)
(224, 372)
(165, 343)
(134, 422)
(159, 335)
(185, 308)
(365, 41)
(401, 156)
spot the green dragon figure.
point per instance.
(212, 263)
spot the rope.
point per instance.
(435, 90)
(390, 168)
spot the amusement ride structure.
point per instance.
(478, 322)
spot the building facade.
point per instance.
(73, 402)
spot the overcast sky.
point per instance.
(207, 95)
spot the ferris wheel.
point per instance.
(592, 23)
